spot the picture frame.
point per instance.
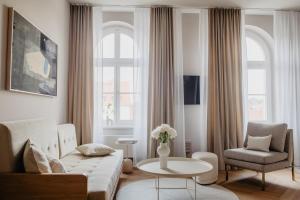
(31, 58)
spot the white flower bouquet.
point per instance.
(164, 133)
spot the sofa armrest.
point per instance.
(43, 186)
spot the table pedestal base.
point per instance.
(157, 187)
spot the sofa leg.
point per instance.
(226, 170)
(263, 181)
(293, 171)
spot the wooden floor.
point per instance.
(246, 184)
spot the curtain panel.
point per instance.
(286, 76)
(80, 84)
(179, 123)
(161, 73)
(98, 73)
(201, 144)
(225, 107)
(141, 74)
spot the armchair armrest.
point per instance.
(289, 146)
(43, 186)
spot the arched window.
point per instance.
(117, 74)
(259, 57)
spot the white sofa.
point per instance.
(92, 178)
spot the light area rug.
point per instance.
(145, 190)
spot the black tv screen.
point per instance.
(191, 90)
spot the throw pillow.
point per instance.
(56, 165)
(35, 160)
(259, 143)
(94, 149)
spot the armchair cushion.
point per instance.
(251, 156)
(278, 132)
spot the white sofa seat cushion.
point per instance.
(103, 172)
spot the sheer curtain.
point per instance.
(203, 64)
(141, 73)
(97, 58)
(244, 72)
(179, 125)
(287, 73)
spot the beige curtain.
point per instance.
(80, 93)
(225, 115)
(161, 73)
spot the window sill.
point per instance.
(117, 127)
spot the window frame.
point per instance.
(117, 63)
(266, 43)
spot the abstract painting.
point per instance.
(31, 58)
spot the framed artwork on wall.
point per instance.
(31, 58)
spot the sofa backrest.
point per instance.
(67, 138)
(14, 135)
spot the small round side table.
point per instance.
(127, 162)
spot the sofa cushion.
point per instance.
(103, 172)
(259, 157)
(278, 132)
(67, 138)
(56, 165)
(35, 160)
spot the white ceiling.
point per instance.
(246, 4)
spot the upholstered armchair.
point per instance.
(280, 156)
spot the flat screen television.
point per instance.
(191, 90)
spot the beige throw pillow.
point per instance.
(94, 149)
(56, 165)
(35, 160)
(259, 143)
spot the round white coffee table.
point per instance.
(177, 168)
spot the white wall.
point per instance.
(52, 18)
(122, 16)
(264, 22)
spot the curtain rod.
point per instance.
(183, 7)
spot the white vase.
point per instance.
(163, 151)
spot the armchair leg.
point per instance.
(293, 171)
(263, 182)
(226, 170)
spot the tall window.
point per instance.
(117, 75)
(258, 62)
